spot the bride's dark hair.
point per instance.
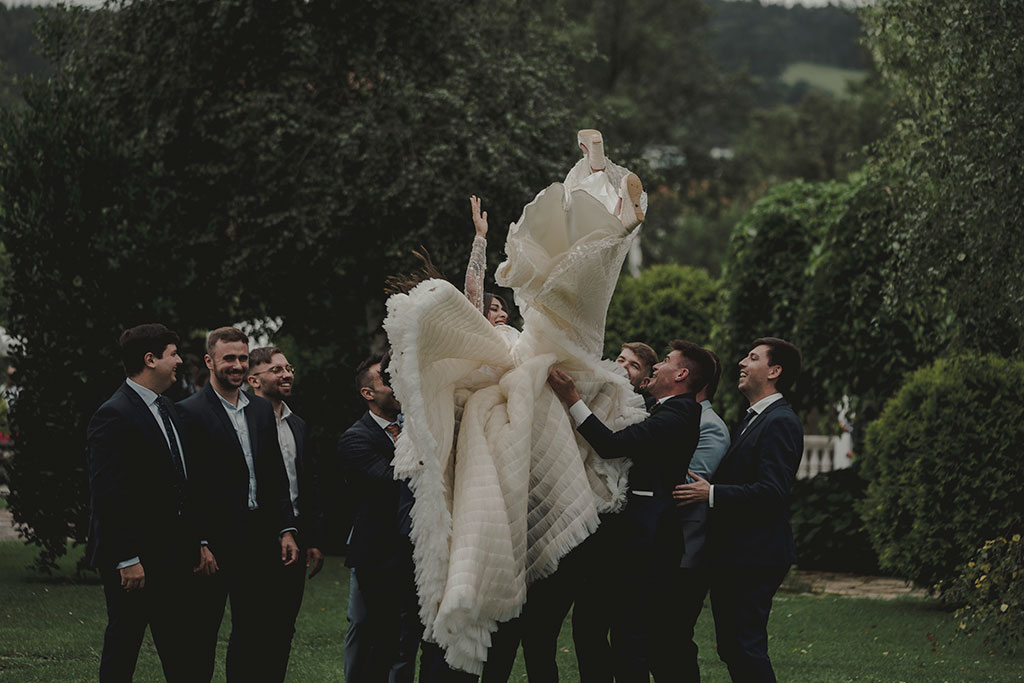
(487, 302)
(403, 283)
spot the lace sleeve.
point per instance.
(474, 288)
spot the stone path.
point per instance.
(852, 585)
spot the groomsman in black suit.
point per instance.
(750, 537)
(649, 532)
(245, 513)
(271, 376)
(382, 645)
(140, 534)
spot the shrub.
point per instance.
(990, 592)
(827, 524)
(665, 302)
(944, 466)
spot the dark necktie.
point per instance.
(751, 414)
(176, 463)
(394, 429)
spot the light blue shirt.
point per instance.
(712, 445)
(236, 415)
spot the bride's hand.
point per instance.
(479, 219)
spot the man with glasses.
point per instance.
(271, 377)
(245, 514)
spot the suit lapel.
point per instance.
(299, 443)
(754, 427)
(222, 418)
(379, 436)
(146, 419)
(250, 423)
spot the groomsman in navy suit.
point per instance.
(245, 513)
(751, 539)
(141, 535)
(650, 534)
(271, 377)
(384, 630)
(694, 575)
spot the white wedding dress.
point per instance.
(504, 486)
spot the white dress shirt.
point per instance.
(289, 452)
(236, 415)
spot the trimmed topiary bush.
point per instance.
(827, 525)
(989, 591)
(945, 468)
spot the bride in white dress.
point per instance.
(504, 487)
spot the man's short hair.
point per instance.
(137, 341)
(784, 354)
(716, 376)
(364, 378)
(697, 359)
(261, 355)
(224, 334)
(645, 353)
(385, 362)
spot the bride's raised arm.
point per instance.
(477, 267)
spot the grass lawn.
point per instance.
(830, 78)
(52, 630)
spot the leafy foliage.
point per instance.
(855, 343)
(827, 525)
(666, 302)
(204, 163)
(943, 462)
(957, 151)
(763, 280)
(990, 592)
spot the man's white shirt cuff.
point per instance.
(711, 496)
(579, 412)
(128, 563)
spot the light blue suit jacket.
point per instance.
(711, 448)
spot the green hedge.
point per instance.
(945, 468)
(665, 302)
(827, 525)
(990, 592)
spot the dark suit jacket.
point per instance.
(310, 522)
(135, 492)
(366, 452)
(661, 448)
(750, 519)
(221, 475)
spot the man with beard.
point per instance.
(271, 376)
(384, 633)
(245, 513)
(140, 535)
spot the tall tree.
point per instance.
(207, 162)
(957, 151)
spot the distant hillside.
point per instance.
(765, 39)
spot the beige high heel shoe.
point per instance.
(630, 190)
(592, 143)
